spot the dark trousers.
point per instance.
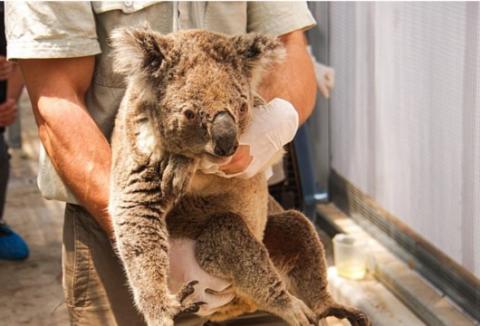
(4, 172)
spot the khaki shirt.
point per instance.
(75, 29)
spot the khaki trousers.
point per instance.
(94, 281)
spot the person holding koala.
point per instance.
(67, 65)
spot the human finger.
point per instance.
(6, 121)
(241, 152)
(238, 166)
(239, 162)
(8, 114)
(8, 105)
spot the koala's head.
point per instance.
(195, 90)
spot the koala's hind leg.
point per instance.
(227, 249)
(297, 251)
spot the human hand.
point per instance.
(6, 68)
(239, 161)
(184, 268)
(273, 126)
(8, 112)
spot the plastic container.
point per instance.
(349, 254)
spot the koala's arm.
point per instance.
(77, 148)
(294, 79)
(142, 194)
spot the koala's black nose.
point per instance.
(224, 134)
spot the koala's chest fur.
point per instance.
(210, 195)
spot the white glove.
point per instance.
(184, 269)
(273, 126)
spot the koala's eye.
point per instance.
(244, 108)
(189, 114)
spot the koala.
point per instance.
(189, 97)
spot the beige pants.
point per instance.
(94, 282)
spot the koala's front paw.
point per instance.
(176, 176)
(186, 291)
(162, 317)
(158, 309)
(160, 321)
(183, 295)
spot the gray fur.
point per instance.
(176, 85)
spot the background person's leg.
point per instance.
(12, 246)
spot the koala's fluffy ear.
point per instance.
(258, 52)
(138, 50)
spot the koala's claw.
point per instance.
(228, 290)
(193, 308)
(176, 175)
(186, 291)
(182, 297)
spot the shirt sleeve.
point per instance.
(278, 18)
(50, 29)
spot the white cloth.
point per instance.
(184, 268)
(273, 126)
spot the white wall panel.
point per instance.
(405, 115)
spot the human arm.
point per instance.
(294, 78)
(77, 148)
